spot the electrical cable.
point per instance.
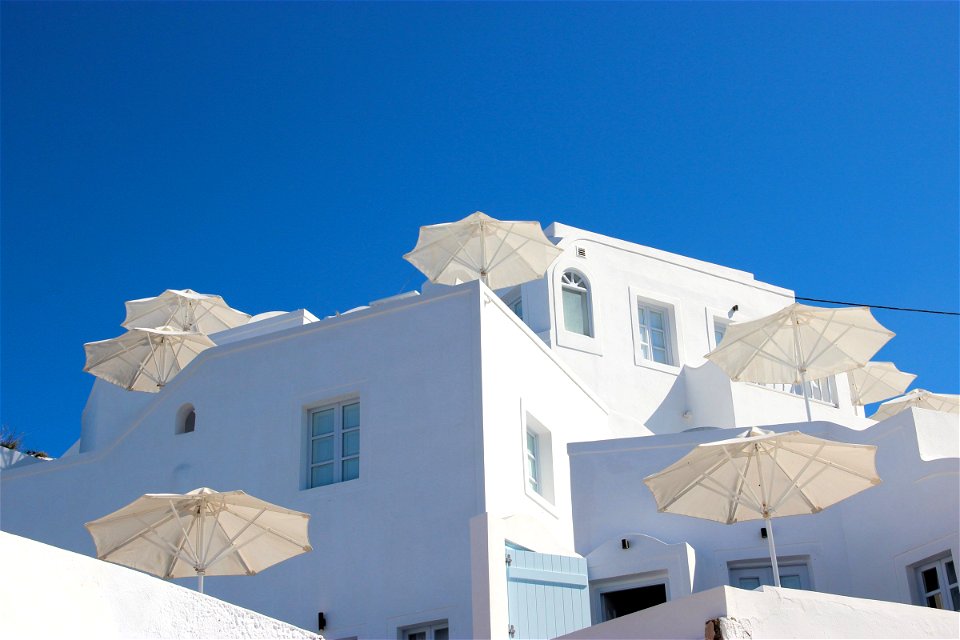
(879, 306)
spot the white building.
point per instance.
(472, 460)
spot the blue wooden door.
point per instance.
(547, 594)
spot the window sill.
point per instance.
(640, 361)
(545, 504)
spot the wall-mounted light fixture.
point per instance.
(763, 532)
(321, 621)
(624, 544)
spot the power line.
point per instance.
(880, 306)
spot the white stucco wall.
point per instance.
(777, 613)
(646, 397)
(865, 546)
(47, 592)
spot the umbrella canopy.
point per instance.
(144, 359)
(876, 381)
(800, 343)
(947, 403)
(761, 475)
(203, 532)
(500, 253)
(185, 310)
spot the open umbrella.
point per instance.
(203, 532)
(500, 253)
(144, 359)
(186, 310)
(762, 475)
(921, 398)
(800, 343)
(876, 381)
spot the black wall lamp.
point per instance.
(321, 621)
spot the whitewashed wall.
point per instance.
(51, 593)
(863, 546)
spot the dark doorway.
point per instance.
(621, 603)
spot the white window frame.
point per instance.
(337, 435)
(571, 339)
(574, 280)
(674, 339)
(540, 488)
(945, 588)
(429, 629)
(647, 331)
(816, 388)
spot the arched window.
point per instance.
(186, 419)
(576, 303)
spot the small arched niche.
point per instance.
(186, 419)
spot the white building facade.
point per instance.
(472, 459)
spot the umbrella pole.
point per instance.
(806, 394)
(773, 553)
(200, 581)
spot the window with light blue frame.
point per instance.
(334, 447)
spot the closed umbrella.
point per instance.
(500, 253)
(876, 381)
(800, 343)
(186, 310)
(921, 398)
(203, 532)
(144, 359)
(763, 475)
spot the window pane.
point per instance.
(532, 443)
(790, 582)
(749, 583)
(351, 443)
(351, 469)
(955, 594)
(322, 450)
(656, 319)
(418, 635)
(934, 601)
(951, 572)
(322, 422)
(656, 337)
(441, 634)
(351, 416)
(930, 580)
(321, 475)
(660, 355)
(574, 303)
(190, 423)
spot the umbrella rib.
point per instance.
(690, 486)
(735, 504)
(213, 530)
(834, 465)
(186, 533)
(279, 534)
(795, 484)
(757, 504)
(233, 539)
(132, 538)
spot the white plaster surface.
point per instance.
(777, 613)
(46, 592)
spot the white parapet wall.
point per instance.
(769, 612)
(46, 592)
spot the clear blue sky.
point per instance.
(284, 156)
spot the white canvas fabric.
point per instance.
(144, 359)
(500, 253)
(800, 343)
(762, 474)
(921, 398)
(186, 310)
(203, 532)
(876, 381)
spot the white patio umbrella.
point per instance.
(186, 310)
(500, 253)
(203, 532)
(876, 381)
(947, 403)
(800, 343)
(144, 359)
(763, 475)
